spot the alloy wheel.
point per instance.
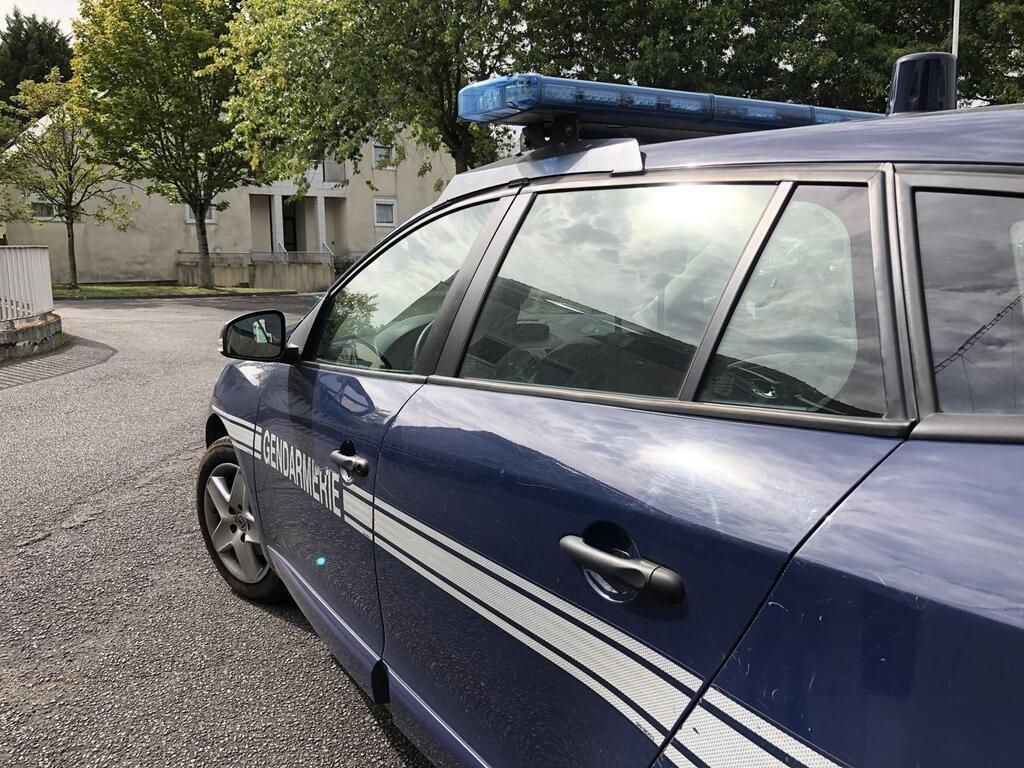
(231, 524)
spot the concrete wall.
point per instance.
(259, 214)
(152, 249)
(336, 213)
(412, 192)
(149, 251)
(286, 277)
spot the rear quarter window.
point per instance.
(972, 263)
(804, 335)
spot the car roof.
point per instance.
(993, 135)
(986, 135)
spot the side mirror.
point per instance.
(255, 336)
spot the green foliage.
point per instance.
(662, 43)
(836, 52)
(352, 315)
(53, 161)
(992, 52)
(29, 48)
(323, 77)
(156, 109)
(318, 77)
(829, 52)
(12, 205)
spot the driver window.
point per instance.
(380, 319)
(804, 335)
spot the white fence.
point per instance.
(24, 281)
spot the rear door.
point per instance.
(323, 420)
(896, 634)
(588, 419)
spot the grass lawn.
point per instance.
(148, 291)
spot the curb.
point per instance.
(30, 336)
(175, 296)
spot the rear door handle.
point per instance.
(351, 463)
(642, 575)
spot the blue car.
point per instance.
(700, 452)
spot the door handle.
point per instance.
(351, 463)
(642, 575)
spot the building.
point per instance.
(333, 223)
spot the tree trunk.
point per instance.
(205, 269)
(72, 264)
(461, 162)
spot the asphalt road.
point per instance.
(119, 643)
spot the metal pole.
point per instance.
(956, 27)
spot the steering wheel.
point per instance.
(384, 362)
(420, 341)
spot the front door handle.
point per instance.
(642, 575)
(351, 463)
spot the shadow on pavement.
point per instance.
(77, 354)
(288, 611)
(382, 718)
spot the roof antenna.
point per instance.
(923, 82)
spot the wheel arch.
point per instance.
(215, 429)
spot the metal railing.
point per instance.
(333, 171)
(245, 258)
(25, 288)
(293, 257)
(223, 258)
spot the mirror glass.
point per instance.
(255, 337)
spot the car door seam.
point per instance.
(709, 680)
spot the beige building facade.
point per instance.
(338, 219)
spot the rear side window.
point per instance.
(612, 289)
(380, 319)
(972, 263)
(804, 334)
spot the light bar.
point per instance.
(530, 99)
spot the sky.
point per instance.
(62, 10)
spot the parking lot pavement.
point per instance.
(119, 643)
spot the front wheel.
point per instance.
(229, 527)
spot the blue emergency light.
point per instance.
(610, 109)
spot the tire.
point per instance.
(229, 528)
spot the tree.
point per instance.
(319, 77)
(992, 52)
(323, 76)
(828, 52)
(658, 43)
(29, 48)
(835, 52)
(53, 162)
(156, 109)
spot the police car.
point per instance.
(643, 452)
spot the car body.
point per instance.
(778, 365)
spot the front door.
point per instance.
(534, 513)
(289, 235)
(324, 418)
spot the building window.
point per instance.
(43, 211)
(190, 216)
(383, 156)
(333, 171)
(384, 213)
